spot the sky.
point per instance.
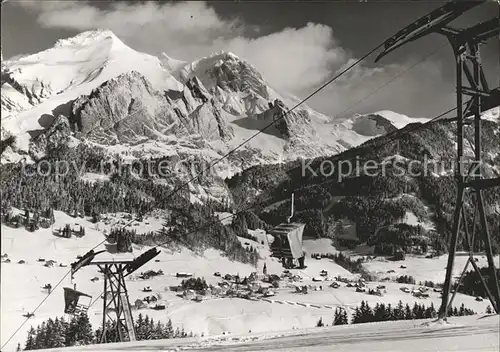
(296, 46)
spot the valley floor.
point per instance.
(21, 286)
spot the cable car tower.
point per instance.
(466, 48)
(115, 295)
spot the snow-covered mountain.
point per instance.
(137, 104)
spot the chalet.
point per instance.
(159, 306)
(177, 288)
(49, 263)
(183, 275)
(150, 299)
(139, 304)
(188, 294)
(70, 230)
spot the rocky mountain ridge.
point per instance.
(140, 106)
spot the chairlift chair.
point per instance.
(72, 302)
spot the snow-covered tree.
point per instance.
(30, 341)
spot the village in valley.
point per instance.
(300, 285)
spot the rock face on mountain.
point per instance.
(288, 123)
(128, 109)
(14, 97)
(56, 136)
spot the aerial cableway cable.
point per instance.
(176, 190)
(282, 115)
(395, 78)
(252, 206)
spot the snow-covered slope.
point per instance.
(21, 284)
(37, 87)
(378, 123)
(462, 334)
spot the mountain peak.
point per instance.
(170, 63)
(224, 55)
(90, 37)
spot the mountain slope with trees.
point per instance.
(327, 190)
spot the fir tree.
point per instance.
(430, 312)
(84, 329)
(169, 329)
(389, 312)
(320, 323)
(139, 327)
(48, 341)
(379, 312)
(30, 341)
(366, 313)
(399, 313)
(340, 317)
(336, 317)
(158, 331)
(356, 317)
(461, 312)
(408, 312)
(343, 317)
(40, 336)
(71, 332)
(59, 334)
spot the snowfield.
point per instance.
(466, 334)
(421, 268)
(21, 285)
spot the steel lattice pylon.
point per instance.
(470, 181)
(115, 298)
(469, 174)
(115, 295)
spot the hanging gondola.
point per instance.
(72, 301)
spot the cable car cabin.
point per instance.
(72, 301)
(287, 244)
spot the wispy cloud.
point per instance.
(295, 60)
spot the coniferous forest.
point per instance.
(191, 223)
(78, 331)
(330, 189)
(382, 312)
(58, 332)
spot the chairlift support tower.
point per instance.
(115, 294)
(466, 49)
(115, 298)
